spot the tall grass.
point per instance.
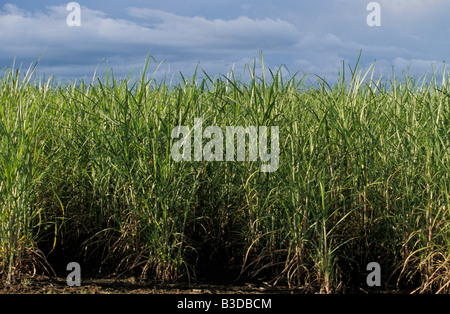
(86, 169)
(23, 165)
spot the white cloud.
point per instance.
(169, 30)
(414, 16)
(301, 38)
(239, 33)
(415, 7)
(418, 65)
(26, 34)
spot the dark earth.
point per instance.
(47, 285)
(42, 284)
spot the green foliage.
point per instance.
(363, 177)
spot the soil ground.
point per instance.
(47, 285)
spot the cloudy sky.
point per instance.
(308, 36)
